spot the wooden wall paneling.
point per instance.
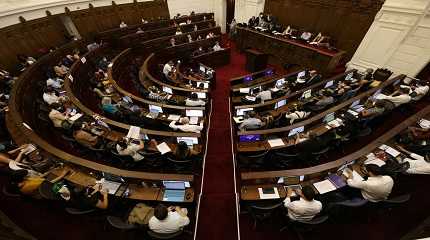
(85, 22)
(345, 21)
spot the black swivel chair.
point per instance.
(283, 160)
(302, 227)
(180, 166)
(252, 160)
(262, 211)
(154, 235)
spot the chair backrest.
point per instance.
(399, 199)
(356, 202)
(322, 151)
(155, 235)
(266, 207)
(317, 220)
(287, 155)
(173, 160)
(256, 155)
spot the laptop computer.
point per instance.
(174, 191)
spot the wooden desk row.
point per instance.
(252, 76)
(295, 93)
(288, 51)
(312, 174)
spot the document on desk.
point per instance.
(357, 176)
(250, 98)
(163, 148)
(393, 152)
(244, 90)
(110, 186)
(324, 186)
(76, 117)
(375, 161)
(133, 132)
(194, 120)
(194, 113)
(276, 142)
(268, 193)
(173, 117)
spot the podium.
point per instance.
(255, 60)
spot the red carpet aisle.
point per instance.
(217, 218)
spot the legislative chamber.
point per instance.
(210, 119)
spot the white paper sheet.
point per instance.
(194, 113)
(76, 117)
(393, 152)
(163, 148)
(276, 142)
(244, 90)
(173, 117)
(133, 132)
(324, 186)
(268, 196)
(356, 175)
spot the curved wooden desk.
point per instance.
(323, 114)
(254, 75)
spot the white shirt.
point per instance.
(171, 224)
(186, 127)
(55, 83)
(50, 98)
(397, 100)
(198, 102)
(251, 123)
(264, 95)
(57, 118)
(123, 25)
(131, 151)
(421, 92)
(167, 69)
(417, 165)
(297, 115)
(374, 189)
(178, 33)
(217, 47)
(302, 210)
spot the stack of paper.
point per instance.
(273, 195)
(194, 120)
(324, 186)
(163, 148)
(244, 90)
(393, 152)
(276, 142)
(173, 117)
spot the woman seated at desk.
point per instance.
(89, 198)
(83, 134)
(183, 151)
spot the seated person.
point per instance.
(93, 46)
(168, 220)
(377, 110)
(89, 198)
(287, 31)
(56, 83)
(139, 30)
(199, 37)
(251, 122)
(417, 164)
(306, 36)
(302, 77)
(167, 68)
(264, 95)
(297, 115)
(108, 107)
(172, 42)
(103, 64)
(314, 77)
(305, 208)
(156, 94)
(325, 100)
(398, 98)
(419, 133)
(210, 35)
(194, 101)
(252, 22)
(190, 39)
(61, 70)
(217, 47)
(368, 74)
(195, 30)
(130, 148)
(188, 21)
(58, 118)
(376, 188)
(122, 24)
(182, 151)
(418, 91)
(321, 40)
(144, 21)
(6, 158)
(198, 52)
(178, 31)
(83, 137)
(51, 97)
(185, 126)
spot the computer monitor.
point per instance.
(241, 112)
(280, 104)
(329, 117)
(167, 90)
(269, 72)
(355, 103)
(280, 82)
(175, 185)
(301, 74)
(250, 138)
(329, 84)
(307, 94)
(247, 79)
(155, 109)
(296, 131)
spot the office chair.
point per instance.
(283, 159)
(261, 211)
(153, 160)
(301, 227)
(119, 223)
(154, 235)
(180, 165)
(7, 193)
(45, 191)
(252, 160)
(43, 118)
(76, 211)
(398, 199)
(317, 155)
